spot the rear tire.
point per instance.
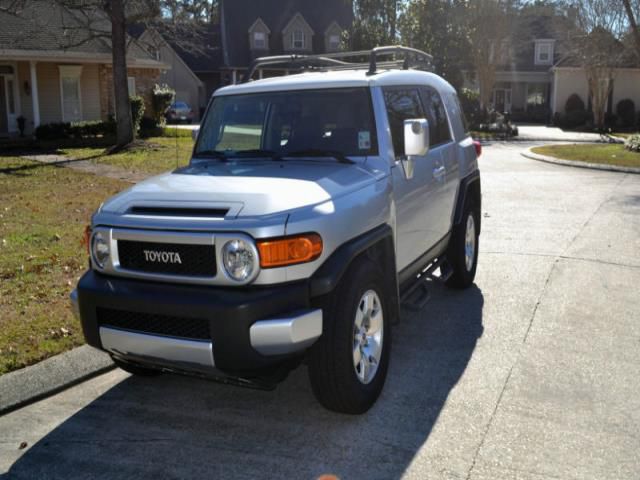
(348, 364)
(462, 252)
(135, 369)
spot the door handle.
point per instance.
(438, 173)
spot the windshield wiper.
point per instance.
(211, 154)
(316, 152)
(254, 152)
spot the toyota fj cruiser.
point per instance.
(314, 205)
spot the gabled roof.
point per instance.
(44, 29)
(525, 31)
(237, 16)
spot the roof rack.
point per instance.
(401, 57)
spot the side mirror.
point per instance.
(416, 137)
(194, 134)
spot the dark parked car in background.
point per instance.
(179, 112)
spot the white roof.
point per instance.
(338, 79)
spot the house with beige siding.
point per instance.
(536, 74)
(53, 70)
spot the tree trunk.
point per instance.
(633, 24)
(124, 124)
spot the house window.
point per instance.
(10, 96)
(544, 53)
(131, 84)
(536, 94)
(297, 39)
(70, 93)
(334, 42)
(259, 40)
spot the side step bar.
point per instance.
(416, 296)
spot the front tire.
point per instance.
(348, 364)
(462, 252)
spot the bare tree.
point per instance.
(596, 46)
(632, 9)
(487, 24)
(87, 20)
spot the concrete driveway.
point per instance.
(531, 374)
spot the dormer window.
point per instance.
(334, 42)
(297, 40)
(332, 36)
(259, 35)
(297, 35)
(259, 40)
(544, 52)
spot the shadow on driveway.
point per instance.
(180, 427)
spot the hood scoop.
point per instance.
(191, 212)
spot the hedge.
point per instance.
(62, 130)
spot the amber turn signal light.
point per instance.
(279, 252)
(86, 237)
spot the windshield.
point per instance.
(280, 123)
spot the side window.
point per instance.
(402, 104)
(437, 116)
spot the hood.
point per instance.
(245, 188)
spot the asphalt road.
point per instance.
(531, 374)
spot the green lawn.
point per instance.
(157, 154)
(606, 154)
(43, 212)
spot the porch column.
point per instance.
(34, 95)
(233, 77)
(260, 74)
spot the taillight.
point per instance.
(278, 252)
(478, 146)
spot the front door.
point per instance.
(502, 100)
(4, 123)
(413, 196)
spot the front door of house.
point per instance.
(4, 122)
(502, 100)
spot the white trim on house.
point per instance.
(35, 101)
(131, 85)
(71, 72)
(12, 123)
(75, 57)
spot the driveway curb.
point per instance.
(50, 376)
(573, 163)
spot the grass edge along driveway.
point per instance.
(43, 212)
(603, 154)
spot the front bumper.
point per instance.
(251, 328)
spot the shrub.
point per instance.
(470, 103)
(626, 111)
(574, 104)
(137, 111)
(161, 98)
(633, 143)
(64, 130)
(149, 128)
(52, 131)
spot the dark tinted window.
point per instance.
(338, 119)
(402, 104)
(436, 115)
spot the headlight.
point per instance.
(100, 249)
(239, 259)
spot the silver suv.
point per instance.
(314, 206)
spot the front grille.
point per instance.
(191, 328)
(168, 258)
